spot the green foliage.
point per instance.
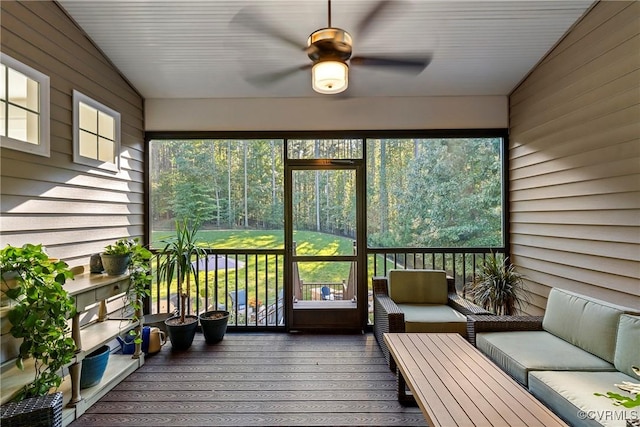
(428, 192)
(498, 287)
(40, 314)
(621, 400)
(225, 183)
(120, 247)
(176, 259)
(434, 192)
(139, 275)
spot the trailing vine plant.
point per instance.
(139, 278)
(39, 317)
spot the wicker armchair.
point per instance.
(483, 323)
(388, 317)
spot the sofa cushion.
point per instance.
(433, 318)
(628, 345)
(589, 323)
(571, 396)
(519, 352)
(418, 286)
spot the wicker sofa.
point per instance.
(418, 301)
(581, 346)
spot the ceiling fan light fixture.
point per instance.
(330, 77)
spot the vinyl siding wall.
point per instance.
(575, 162)
(74, 210)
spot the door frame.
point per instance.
(337, 320)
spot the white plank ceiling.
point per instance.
(192, 49)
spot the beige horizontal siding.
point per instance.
(575, 162)
(72, 209)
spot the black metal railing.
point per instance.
(249, 283)
(459, 263)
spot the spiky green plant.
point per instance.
(176, 260)
(498, 287)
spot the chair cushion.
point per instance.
(433, 318)
(418, 286)
(589, 323)
(519, 352)
(570, 394)
(628, 345)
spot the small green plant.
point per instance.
(121, 247)
(39, 317)
(176, 260)
(498, 287)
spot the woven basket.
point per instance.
(43, 411)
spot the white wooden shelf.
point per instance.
(87, 290)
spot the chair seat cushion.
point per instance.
(433, 318)
(570, 394)
(519, 352)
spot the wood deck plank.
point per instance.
(261, 379)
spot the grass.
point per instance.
(259, 270)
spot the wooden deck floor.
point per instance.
(265, 379)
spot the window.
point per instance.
(24, 107)
(422, 192)
(96, 133)
(226, 184)
(324, 149)
(435, 192)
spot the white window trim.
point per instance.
(43, 147)
(79, 97)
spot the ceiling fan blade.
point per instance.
(365, 23)
(275, 76)
(409, 65)
(249, 19)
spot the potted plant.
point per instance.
(177, 260)
(214, 325)
(498, 287)
(39, 317)
(139, 280)
(116, 257)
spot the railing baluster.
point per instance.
(461, 263)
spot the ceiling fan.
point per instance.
(329, 50)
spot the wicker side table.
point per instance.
(44, 411)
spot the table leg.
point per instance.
(74, 373)
(102, 311)
(75, 332)
(405, 399)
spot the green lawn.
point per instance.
(258, 270)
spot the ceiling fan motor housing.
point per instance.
(329, 44)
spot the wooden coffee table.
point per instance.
(456, 385)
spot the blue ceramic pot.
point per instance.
(93, 367)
